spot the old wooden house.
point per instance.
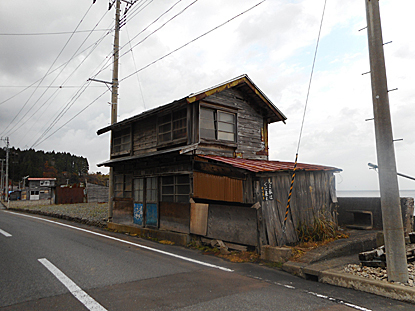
(200, 166)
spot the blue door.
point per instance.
(138, 214)
(151, 202)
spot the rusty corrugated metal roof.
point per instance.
(268, 166)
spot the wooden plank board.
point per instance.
(198, 218)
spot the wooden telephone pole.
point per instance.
(114, 102)
(397, 266)
(6, 184)
(114, 88)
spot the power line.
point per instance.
(34, 145)
(55, 92)
(148, 65)
(137, 9)
(191, 41)
(45, 86)
(65, 63)
(43, 78)
(153, 32)
(51, 33)
(135, 67)
(80, 91)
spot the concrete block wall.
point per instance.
(371, 204)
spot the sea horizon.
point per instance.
(371, 193)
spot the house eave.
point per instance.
(181, 150)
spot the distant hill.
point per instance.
(65, 167)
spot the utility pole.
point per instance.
(114, 89)
(2, 179)
(397, 267)
(6, 140)
(114, 102)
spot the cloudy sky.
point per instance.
(49, 51)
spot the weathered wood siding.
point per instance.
(236, 224)
(249, 123)
(175, 216)
(311, 198)
(123, 211)
(145, 135)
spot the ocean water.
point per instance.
(371, 193)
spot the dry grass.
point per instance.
(240, 256)
(302, 248)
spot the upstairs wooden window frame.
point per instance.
(220, 127)
(121, 142)
(172, 127)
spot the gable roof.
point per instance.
(243, 82)
(261, 166)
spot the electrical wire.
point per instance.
(137, 9)
(53, 94)
(148, 65)
(135, 67)
(67, 42)
(57, 68)
(63, 125)
(153, 22)
(80, 91)
(191, 41)
(50, 33)
(284, 225)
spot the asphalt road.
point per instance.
(47, 264)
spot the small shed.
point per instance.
(314, 195)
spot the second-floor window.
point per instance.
(172, 126)
(217, 124)
(121, 141)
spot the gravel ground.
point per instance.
(89, 213)
(379, 273)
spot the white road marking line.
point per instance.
(130, 243)
(339, 301)
(75, 290)
(6, 234)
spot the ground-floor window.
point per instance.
(175, 188)
(123, 185)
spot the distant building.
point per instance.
(40, 189)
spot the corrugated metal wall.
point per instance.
(219, 188)
(68, 195)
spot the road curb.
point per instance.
(381, 288)
(338, 278)
(181, 239)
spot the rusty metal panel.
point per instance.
(236, 224)
(66, 195)
(199, 218)
(175, 216)
(219, 188)
(268, 166)
(123, 211)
